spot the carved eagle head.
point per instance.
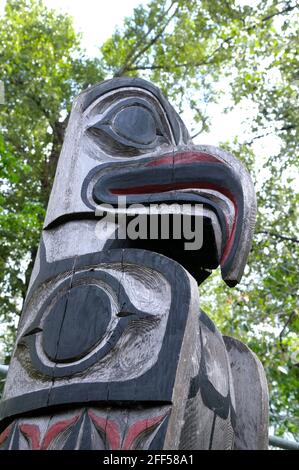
(125, 139)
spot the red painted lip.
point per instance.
(162, 188)
(176, 159)
(183, 158)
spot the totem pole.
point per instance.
(113, 351)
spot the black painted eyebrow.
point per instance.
(177, 126)
(93, 93)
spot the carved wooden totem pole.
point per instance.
(112, 350)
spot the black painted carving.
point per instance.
(176, 125)
(142, 389)
(76, 323)
(67, 337)
(91, 296)
(130, 125)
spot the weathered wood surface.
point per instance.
(210, 408)
(111, 323)
(251, 395)
(88, 428)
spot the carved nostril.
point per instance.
(34, 331)
(124, 314)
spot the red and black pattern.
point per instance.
(87, 429)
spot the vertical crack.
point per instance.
(60, 330)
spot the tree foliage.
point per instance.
(188, 49)
(42, 68)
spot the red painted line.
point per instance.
(184, 157)
(137, 428)
(109, 428)
(56, 429)
(4, 435)
(162, 188)
(31, 432)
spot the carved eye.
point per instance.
(79, 326)
(135, 124)
(130, 129)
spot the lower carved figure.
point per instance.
(157, 348)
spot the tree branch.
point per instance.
(197, 133)
(134, 54)
(281, 334)
(203, 122)
(166, 68)
(277, 235)
(281, 12)
(207, 59)
(284, 128)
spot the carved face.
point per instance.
(124, 139)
